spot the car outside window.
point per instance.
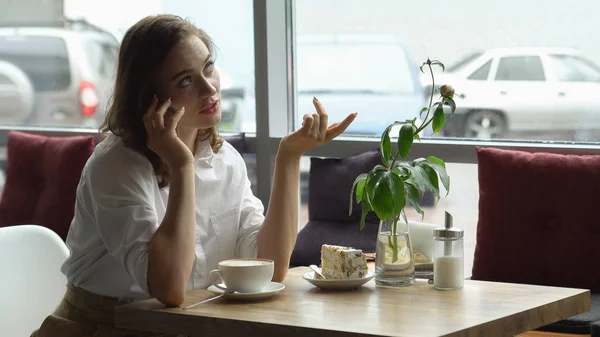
(481, 74)
(43, 58)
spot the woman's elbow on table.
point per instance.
(170, 297)
(166, 291)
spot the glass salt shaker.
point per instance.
(448, 256)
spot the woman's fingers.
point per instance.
(172, 121)
(159, 115)
(323, 120)
(338, 129)
(314, 132)
(307, 125)
(333, 125)
(316, 125)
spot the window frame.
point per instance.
(275, 92)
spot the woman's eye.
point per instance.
(210, 66)
(185, 81)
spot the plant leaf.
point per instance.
(380, 167)
(398, 193)
(432, 179)
(414, 197)
(401, 170)
(440, 168)
(386, 146)
(451, 103)
(423, 179)
(366, 207)
(438, 118)
(436, 160)
(418, 175)
(436, 62)
(386, 194)
(418, 160)
(360, 188)
(405, 139)
(359, 183)
(372, 180)
(379, 195)
(422, 110)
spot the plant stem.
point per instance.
(394, 239)
(432, 91)
(424, 125)
(394, 161)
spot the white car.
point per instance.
(523, 90)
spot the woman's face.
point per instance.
(189, 78)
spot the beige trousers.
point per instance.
(84, 314)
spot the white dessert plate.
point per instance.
(348, 284)
(270, 289)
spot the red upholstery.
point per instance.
(538, 219)
(42, 174)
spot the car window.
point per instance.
(44, 59)
(520, 68)
(481, 74)
(569, 68)
(368, 68)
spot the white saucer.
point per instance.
(270, 289)
(337, 284)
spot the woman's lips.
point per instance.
(211, 109)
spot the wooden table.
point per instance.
(479, 309)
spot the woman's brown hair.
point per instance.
(144, 48)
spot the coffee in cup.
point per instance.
(243, 275)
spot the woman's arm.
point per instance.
(277, 237)
(171, 250)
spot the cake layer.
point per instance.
(339, 262)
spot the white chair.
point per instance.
(31, 284)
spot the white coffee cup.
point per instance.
(243, 275)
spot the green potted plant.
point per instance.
(388, 187)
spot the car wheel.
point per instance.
(485, 125)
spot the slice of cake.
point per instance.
(343, 262)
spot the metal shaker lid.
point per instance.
(448, 231)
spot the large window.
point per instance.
(521, 80)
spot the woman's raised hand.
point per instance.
(162, 137)
(314, 131)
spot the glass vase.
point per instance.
(394, 259)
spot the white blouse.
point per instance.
(119, 206)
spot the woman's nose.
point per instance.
(207, 89)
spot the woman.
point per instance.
(163, 198)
